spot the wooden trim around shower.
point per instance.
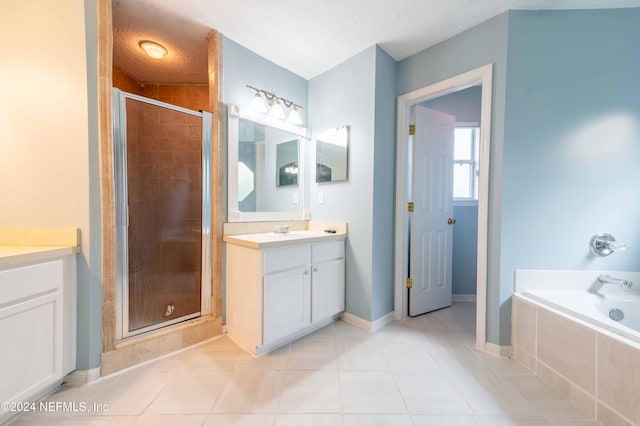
(117, 356)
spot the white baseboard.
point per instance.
(463, 298)
(498, 351)
(81, 377)
(365, 325)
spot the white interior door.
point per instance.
(431, 227)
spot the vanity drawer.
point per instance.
(279, 259)
(29, 281)
(322, 252)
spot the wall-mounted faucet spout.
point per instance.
(607, 279)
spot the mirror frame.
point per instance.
(234, 114)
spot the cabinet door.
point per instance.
(287, 303)
(327, 289)
(31, 357)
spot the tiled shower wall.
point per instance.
(191, 96)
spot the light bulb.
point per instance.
(294, 116)
(258, 104)
(277, 110)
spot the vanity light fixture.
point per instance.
(259, 104)
(153, 49)
(277, 110)
(294, 116)
(278, 107)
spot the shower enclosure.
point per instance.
(162, 158)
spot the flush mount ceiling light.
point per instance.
(278, 107)
(153, 49)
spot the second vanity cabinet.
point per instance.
(275, 295)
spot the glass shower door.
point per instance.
(166, 216)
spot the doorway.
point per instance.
(479, 76)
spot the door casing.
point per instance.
(480, 76)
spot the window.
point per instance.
(466, 153)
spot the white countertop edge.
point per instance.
(252, 240)
(12, 256)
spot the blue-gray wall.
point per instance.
(465, 105)
(465, 250)
(483, 44)
(242, 66)
(346, 95)
(89, 296)
(571, 141)
(383, 185)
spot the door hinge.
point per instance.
(409, 282)
(412, 129)
(410, 206)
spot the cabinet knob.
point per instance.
(306, 272)
(315, 269)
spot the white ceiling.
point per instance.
(307, 37)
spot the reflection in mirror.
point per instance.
(331, 154)
(287, 163)
(265, 169)
(267, 159)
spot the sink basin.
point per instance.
(296, 234)
(271, 239)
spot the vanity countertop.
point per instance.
(270, 239)
(24, 246)
(22, 255)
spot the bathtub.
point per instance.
(569, 339)
(617, 311)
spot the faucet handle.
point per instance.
(604, 244)
(617, 246)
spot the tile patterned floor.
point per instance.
(420, 372)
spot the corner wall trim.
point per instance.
(365, 325)
(464, 298)
(82, 377)
(498, 351)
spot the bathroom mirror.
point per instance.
(266, 168)
(331, 154)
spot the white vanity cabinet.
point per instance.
(275, 295)
(37, 322)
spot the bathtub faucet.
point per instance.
(607, 279)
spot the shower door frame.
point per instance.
(119, 119)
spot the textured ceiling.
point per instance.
(307, 37)
(186, 41)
